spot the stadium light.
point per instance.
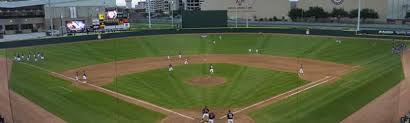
(358, 16)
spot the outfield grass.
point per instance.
(380, 70)
(244, 86)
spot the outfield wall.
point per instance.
(33, 42)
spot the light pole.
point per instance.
(236, 14)
(247, 15)
(51, 18)
(172, 13)
(358, 16)
(149, 14)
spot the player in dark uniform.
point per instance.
(205, 113)
(211, 118)
(230, 116)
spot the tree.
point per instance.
(316, 12)
(295, 13)
(353, 13)
(364, 14)
(408, 15)
(339, 13)
(369, 13)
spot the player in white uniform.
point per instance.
(301, 72)
(168, 57)
(84, 77)
(186, 61)
(205, 113)
(76, 76)
(211, 69)
(257, 51)
(250, 50)
(180, 55)
(170, 68)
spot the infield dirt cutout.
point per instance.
(315, 71)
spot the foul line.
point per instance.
(119, 94)
(288, 93)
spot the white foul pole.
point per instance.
(358, 16)
(51, 18)
(247, 15)
(149, 14)
(172, 12)
(236, 14)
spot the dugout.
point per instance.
(204, 19)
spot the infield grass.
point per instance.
(379, 71)
(244, 86)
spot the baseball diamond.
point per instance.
(191, 78)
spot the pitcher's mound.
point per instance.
(206, 81)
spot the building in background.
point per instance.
(141, 5)
(397, 9)
(22, 17)
(128, 4)
(158, 6)
(387, 9)
(249, 9)
(42, 15)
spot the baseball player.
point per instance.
(18, 57)
(301, 72)
(211, 117)
(179, 55)
(250, 50)
(186, 61)
(22, 57)
(205, 113)
(84, 76)
(257, 51)
(170, 68)
(211, 69)
(214, 42)
(76, 76)
(220, 37)
(42, 56)
(169, 57)
(230, 116)
(15, 57)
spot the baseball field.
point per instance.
(128, 79)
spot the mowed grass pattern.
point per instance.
(72, 104)
(379, 69)
(244, 86)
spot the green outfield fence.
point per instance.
(32, 42)
(201, 19)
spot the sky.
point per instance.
(122, 2)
